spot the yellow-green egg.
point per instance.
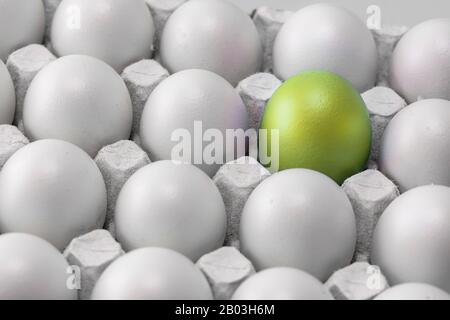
(322, 123)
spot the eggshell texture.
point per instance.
(411, 240)
(7, 96)
(32, 269)
(170, 205)
(152, 274)
(299, 218)
(413, 291)
(282, 284)
(184, 98)
(22, 22)
(420, 65)
(81, 100)
(119, 32)
(326, 37)
(415, 148)
(214, 35)
(322, 123)
(52, 189)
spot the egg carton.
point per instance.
(370, 192)
(89, 255)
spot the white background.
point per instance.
(394, 12)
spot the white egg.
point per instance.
(420, 65)
(282, 284)
(32, 269)
(177, 104)
(326, 37)
(214, 35)
(7, 96)
(152, 274)
(81, 100)
(299, 218)
(170, 205)
(119, 32)
(413, 291)
(411, 240)
(415, 148)
(52, 189)
(22, 22)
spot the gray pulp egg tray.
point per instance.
(370, 192)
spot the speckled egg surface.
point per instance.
(118, 32)
(326, 37)
(214, 35)
(420, 66)
(322, 124)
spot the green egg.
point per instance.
(323, 125)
